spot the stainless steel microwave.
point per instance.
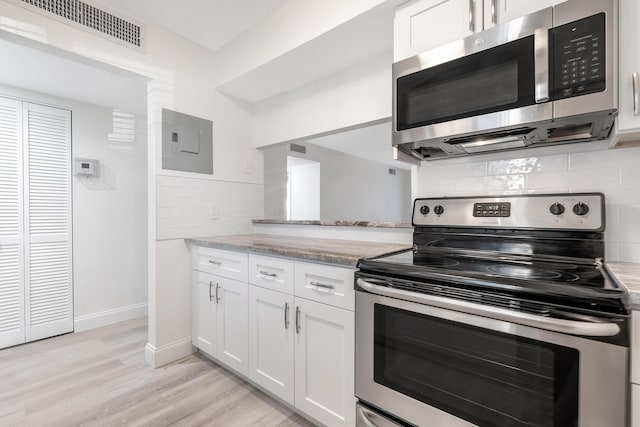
(546, 78)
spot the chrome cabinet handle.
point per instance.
(210, 286)
(286, 315)
(635, 81)
(472, 15)
(266, 273)
(322, 286)
(297, 320)
(494, 14)
(541, 64)
(214, 262)
(573, 327)
(217, 293)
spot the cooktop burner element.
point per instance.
(532, 249)
(523, 272)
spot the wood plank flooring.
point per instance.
(99, 378)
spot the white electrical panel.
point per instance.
(86, 167)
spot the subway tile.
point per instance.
(623, 232)
(621, 195)
(583, 179)
(631, 176)
(611, 251)
(629, 252)
(629, 214)
(624, 157)
(491, 184)
(457, 170)
(528, 165)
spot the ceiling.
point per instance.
(210, 23)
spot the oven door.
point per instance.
(437, 367)
(494, 79)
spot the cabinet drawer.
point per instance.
(229, 264)
(326, 284)
(271, 273)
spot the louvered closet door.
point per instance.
(47, 163)
(12, 324)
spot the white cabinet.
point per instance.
(204, 311)
(629, 102)
(290, 329)
(324, 363)
(421, 25)
(271, 341)
(500, 11)
(220, 315)
(635, 405)
(232, 338)
(424, 24)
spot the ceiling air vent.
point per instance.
(88, 17)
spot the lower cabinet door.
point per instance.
(324, 362)
(271, 341)
(232, 317)
(204, 312)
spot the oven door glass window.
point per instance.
(488, 378)
(497, 79)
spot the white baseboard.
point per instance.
(159, 356)
(107, 317)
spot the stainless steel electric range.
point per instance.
(502, 315)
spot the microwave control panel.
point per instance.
(579, 57)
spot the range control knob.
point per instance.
(580, 209)
(439, 210)
(424, 209)
(556, 208)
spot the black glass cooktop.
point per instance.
(498, 269)
(587, 285)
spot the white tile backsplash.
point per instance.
(614, 172)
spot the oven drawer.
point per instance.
(271, 273)
(366, 417)
(229, 264)
(325, 284)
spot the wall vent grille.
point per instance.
(90, 17)
(298, 148)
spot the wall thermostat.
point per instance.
(86, 167)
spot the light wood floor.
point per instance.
(99, 378)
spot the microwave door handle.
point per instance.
(573, 327)
(541, 64)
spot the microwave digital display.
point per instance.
(579, 57)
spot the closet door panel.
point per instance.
(12, 325)
(47, 162)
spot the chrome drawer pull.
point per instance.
(635, 81)
(210, 286)
(322, 286)
(214, 262)
(266, 273)
(286, 315)
(297, 320)
(217, 296)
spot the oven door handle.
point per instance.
(573, 327)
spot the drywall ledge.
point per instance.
(365, 36)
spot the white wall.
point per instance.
(354, 97)
(181, 75)
(614, 172)
(109, 214)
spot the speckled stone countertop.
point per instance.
(329, 251)
(627, 274)
(337, 223)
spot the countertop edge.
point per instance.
(626, 275)
(338, 223)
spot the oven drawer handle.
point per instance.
(572, 327)
(371, 419)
